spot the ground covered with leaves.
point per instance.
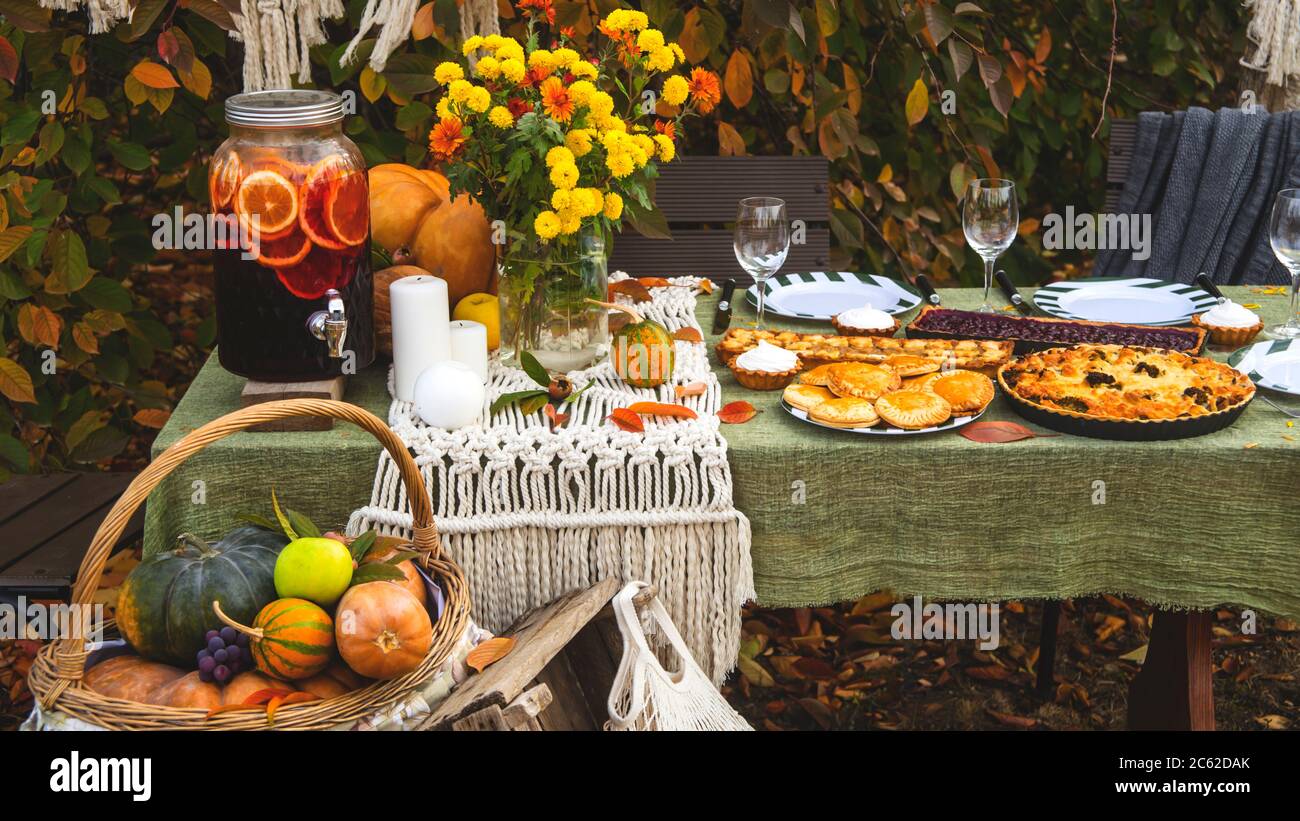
(838, 668)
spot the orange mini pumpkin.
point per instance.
(386, 546)
(381, 630)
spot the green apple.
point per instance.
(313, 568)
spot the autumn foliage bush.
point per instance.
(908, 100)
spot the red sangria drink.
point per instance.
(293, 282)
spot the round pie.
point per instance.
(844, 412)
(861, 380)
(906, 364)
(913, 410)
(815, 376)
(804, 397)
(964, 390)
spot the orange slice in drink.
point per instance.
(224, 179)
(270, 198)
(313, 195)
(285, 251)
(347, 209)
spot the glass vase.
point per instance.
(543, 292)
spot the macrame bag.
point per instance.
(645, 696)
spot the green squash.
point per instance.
(165, 605)
(642, 351)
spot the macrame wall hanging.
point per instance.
(278, 34)
(1274, 34)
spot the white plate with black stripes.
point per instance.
(821, 295)
(1273, 364)
(1130, 300)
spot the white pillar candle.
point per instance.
(469, 345)
(421, 336)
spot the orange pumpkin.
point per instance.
(413, 217)
(386, 546)
(130, 677)
(382, 630)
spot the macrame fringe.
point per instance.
(1274, 32)
(103, 14)
(531, 514)
(278, 36)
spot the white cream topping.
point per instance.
(867, 318)
(1230, 315)
(767, 358)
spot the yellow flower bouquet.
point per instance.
(559, 149)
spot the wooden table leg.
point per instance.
(1047, 648)
(1174, 690)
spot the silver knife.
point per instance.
(722, 318)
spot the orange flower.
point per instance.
(668, 128)
(447, 138)
(541, 8)
(705, 89)
(556, 100)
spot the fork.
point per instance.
(1275, 406)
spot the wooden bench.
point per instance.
(46, 524)
(699, 195)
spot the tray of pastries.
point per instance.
(1031, 333)
(814, 349)
(1120, 392)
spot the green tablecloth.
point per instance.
(1191, 523)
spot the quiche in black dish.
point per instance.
(1035, 333)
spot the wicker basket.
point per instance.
(56, 674)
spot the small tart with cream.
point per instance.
(1230, 324)
(765, 367)
(963, 390)
(845, 412)
(913, 410)
(865, 321)
(862, 380)
(805, 397)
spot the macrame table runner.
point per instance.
(530, 513)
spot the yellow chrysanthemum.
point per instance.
(565, 57)
(613, 205)
(581, 92)
(509, 50)
(583, 70)
(601, 104)
(666, 148)
(493, 41)
(445, 109)
(594, 202)
(479, 99)
(471, 45)
(459, 90)
(644, 143)
(639, 156)
(570, 221)
(564, 175)
(447, 72)
(541, 61)
(620, 164)
(578, 141)
(661, 59)
(547, 225)
(501, 117)
(513, 69)
(612, 123)
(559, 155)
(560, 199)
(488, 67)
(616, 21)
(650, 39)
(675, 90)
(677, 52)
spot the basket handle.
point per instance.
(110, 530)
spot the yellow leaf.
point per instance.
(853, 88)
(151, 417)
(730, 143)
(739, 79)
(39, 325)
(1027, 227)
(12, 238)
(372, 84)
(489, 652)
(84, 336)
(198, 80)
(153, 75)
(886, 173)
(15, 382)
(136, 91)
(422, 26)
(918, 102)
(693, 39)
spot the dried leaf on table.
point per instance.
(999, 432)
(557, 420)
(631, 288)
(654, 282)
(706, 286)
(736, 413)
(693, 389)
(991, 672)
(489, 652)
(662, 409)
(687, 334)
(627, 420)
(1008, 720)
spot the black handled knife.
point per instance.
(927, 289)
(1009, 291)
(722, 318)
(1209, 287)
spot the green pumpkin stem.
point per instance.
(190, 540)
(614, 306)
(254, 633)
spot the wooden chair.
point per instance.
(698, 196)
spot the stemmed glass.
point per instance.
(762, 241)
(989, 218)
(1284, 235)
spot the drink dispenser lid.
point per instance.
(284, 108)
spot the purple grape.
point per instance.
(234, 655)
(242, 641)
(215, 643)
(229, 634)
(221, 674)
(203, 654)
(210, 635)
(207, 665)
(221, 656)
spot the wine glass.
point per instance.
(1284, 236)
(762, 241)
(989, 218)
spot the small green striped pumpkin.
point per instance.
(292, 639)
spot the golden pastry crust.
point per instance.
(913, 410)
(1122, 383)
(1228, 337)
(906, 364)
(970, 354)
(861, 380)
(816, 376)
(964, 390)
(804, 397)
(763, 380)
(849, 330)
(845, 412)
